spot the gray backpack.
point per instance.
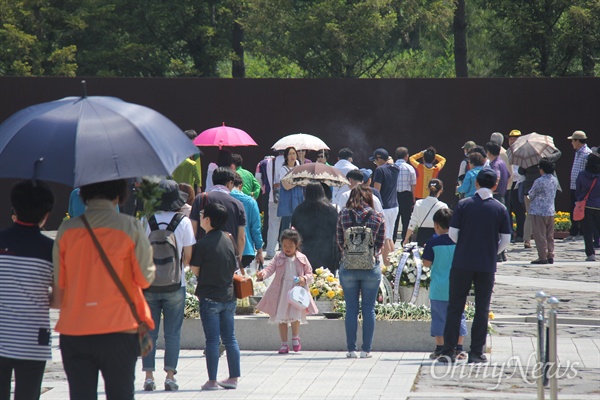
(166, 257)
(359, 245)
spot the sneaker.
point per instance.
(591, 258)
(569, 239)
(435, 354)
(504, 256)
(477, 359)
(364, 354)
(149, 385)
(171, 385)
(296, 344)
(550, 260)
(268, 257)
(447, 358)
(538, 261)
(284, 349)
(351, 354)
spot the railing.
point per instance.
(547, 349)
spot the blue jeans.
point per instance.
(218, 324)
(171, 305)
(364, 284)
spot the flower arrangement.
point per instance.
(408, 275)
(562, 221)
(326, 286)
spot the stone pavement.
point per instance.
(411, 375)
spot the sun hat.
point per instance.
(469, 145)
(577, 135)
(382, 153)
(514, 133)
(172, 198)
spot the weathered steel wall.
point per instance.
(358, 113)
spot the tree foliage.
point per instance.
(298, 38)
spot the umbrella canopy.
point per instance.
(224, 136)
(83, 140)
(529, 149)
(300, 141)
(302, 175)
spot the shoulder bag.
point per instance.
(579, 210)
(143, 332)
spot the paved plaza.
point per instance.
(412, 375)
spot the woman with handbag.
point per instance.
(421, 219)
(586, 185)
(360, 284)
(102, 261)
(214, 263)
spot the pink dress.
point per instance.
(274, 301)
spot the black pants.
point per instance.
(519, 209)
(460, 284)
(113, 354)
(405, 209)
(28, 378)
(590, 225)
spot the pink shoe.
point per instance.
(297, 347)
(284, 349)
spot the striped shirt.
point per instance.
(25, 276)
(581, 156)
(407, 177)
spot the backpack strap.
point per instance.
(175, 222)
(153, 224)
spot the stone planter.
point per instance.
(406, 292)
(324, 306)
(253, 332)
(560, 234)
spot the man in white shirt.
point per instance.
(267, 173)
(355, 177)
(344, 165)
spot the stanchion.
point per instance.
(552, 349)
(541, 298)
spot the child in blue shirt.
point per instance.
(438, 255)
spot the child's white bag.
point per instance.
(299, 297)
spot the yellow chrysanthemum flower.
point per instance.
(319, 270)
(331, 294)
(314, 291)
(491, 315)
(330, 279)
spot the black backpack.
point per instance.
(165, 255)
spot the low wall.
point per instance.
(254, 332)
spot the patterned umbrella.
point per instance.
(528, 150)
(302, 175)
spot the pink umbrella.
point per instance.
(224, 136)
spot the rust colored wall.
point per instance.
(358, 113)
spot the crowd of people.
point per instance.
(105, 270)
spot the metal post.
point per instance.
(552, 349)
(541, 298)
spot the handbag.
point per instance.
(242, 284)
(299, 297)
(579, 209)
(143, 331)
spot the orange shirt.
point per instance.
(92, 303)
(425, 174)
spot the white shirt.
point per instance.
(343, 199)
(271, 178)
(184, 233)
(344, 166)
(421, 215)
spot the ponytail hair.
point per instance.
(435, 186)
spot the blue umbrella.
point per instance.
(83, 140)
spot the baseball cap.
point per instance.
(366, 174)
(578, 135)
(381, 153)
(514, 133)
(469, 145)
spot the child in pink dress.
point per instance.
(289, 263)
